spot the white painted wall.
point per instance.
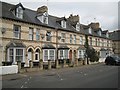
(8, 69)
(101, 59)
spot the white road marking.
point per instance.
(59, 76)
(61, 79)
(22, 86)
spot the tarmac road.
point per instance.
(89, 76)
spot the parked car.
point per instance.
(112, 60)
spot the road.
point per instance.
(89, 76)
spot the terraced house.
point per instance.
(116, 41)
(28, 35)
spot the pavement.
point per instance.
(88, 76)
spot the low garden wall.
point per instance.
(12, 69)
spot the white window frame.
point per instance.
(99, 32)
(48, 55)
(37, 35)
(63, 56)
(63, 23)
(18, 32)
(63, 36)
(31, 33)
(49, 37)
(19, 12)
(82, 53)
(14, 55)
(75, 39)
(71, 39)
(78, 26)
(90, 31)
(81, 40)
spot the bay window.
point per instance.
(48, 54)
(16, 54)
(63, 54)
(81, 53)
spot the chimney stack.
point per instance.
(42, 9)
(74, 18)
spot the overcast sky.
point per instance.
(105, 11)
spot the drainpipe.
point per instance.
(56, 61)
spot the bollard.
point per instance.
(41, 64)
(31, 64)
(49, 64)
(19, 66)
(56, 64)
(64, 62)
(76, 62)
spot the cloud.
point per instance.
(104, 12)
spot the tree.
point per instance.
(90, 52)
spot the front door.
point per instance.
(37, 56)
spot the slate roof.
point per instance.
(16, 44)
(63, 47)
(48, 46)
(30, 16)
(115, 35)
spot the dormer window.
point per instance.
(19, 12)
(107, 35)
(78, 26)
(99, 33)
(90, 31)
(43, 18)
(63, 23)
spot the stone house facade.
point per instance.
(28, 35)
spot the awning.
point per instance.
(48, 46)
(63, 47)
(15, 44)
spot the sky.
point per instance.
(104, 11)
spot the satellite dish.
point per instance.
(3, 30)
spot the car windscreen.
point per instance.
(116, 57)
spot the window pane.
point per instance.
(48, 36)
(61, 54)
(11, 52)
(16, 31)
(51, 54)
(45, 55)
(19, 54)
(66, 54)
(30, 33)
